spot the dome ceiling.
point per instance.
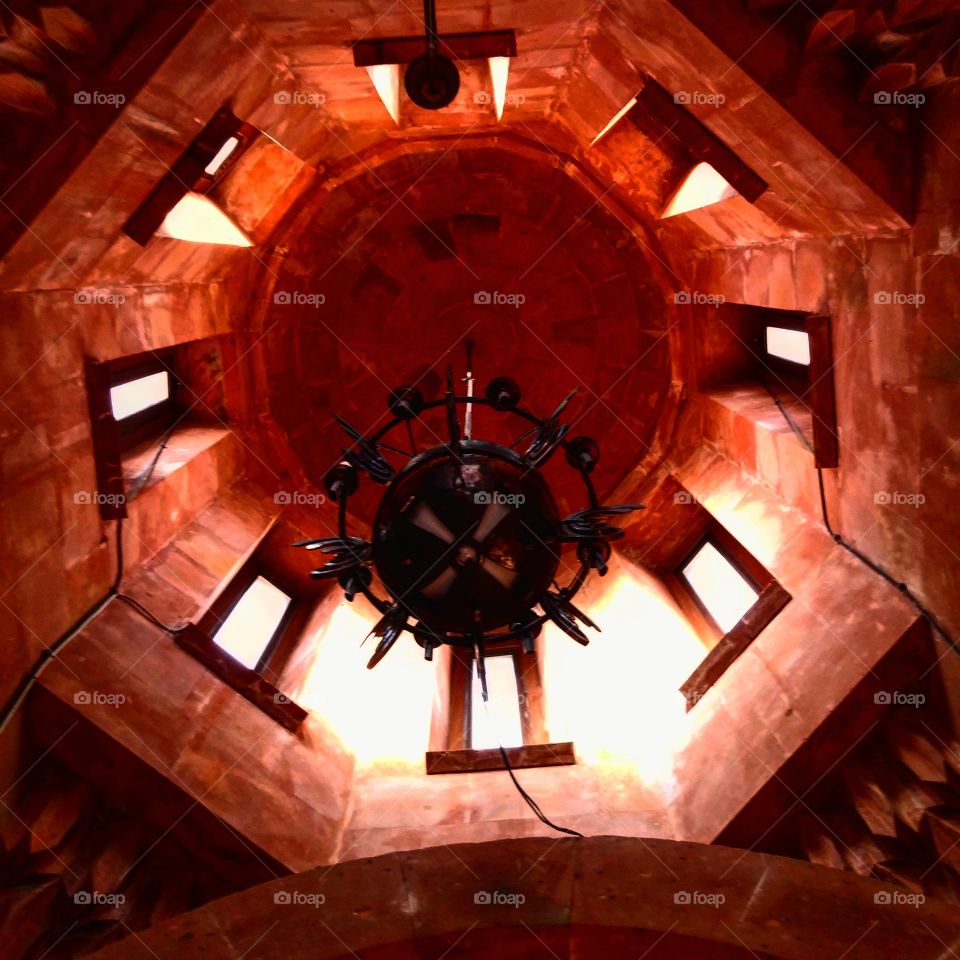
(388, 276)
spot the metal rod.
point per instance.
(413, 443)
(430, 22)
(468, 379)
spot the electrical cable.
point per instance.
(531, 803)
(113, 593)
(534, 806)
(854, 551)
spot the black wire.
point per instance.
(534, 806)
(113, 593)
(851, 549)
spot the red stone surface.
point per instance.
(604, 896)
(398, 228)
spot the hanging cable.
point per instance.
(113, 593)
(531, 803)
(849, 547)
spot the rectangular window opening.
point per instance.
(790, 345)
(722, 590)
(251, 625)
(496, 722)
(134, 396)
(229, 145)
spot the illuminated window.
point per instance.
(386, 81)
(718, 586)
(249, 628)
(497, 721)
(198, 219)
(791, 345)
(614, 120)
(701, 187)
(178, 207)
(229, 145)
(135, 396)
(141, 394)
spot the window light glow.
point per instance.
(132, 397)
(496, 722)
(792, 345)
(499, 72)
(228, 147)
(251, 624)
(720, 587)
(386, 81)
(701, 187)
(199, 220)
(617, 117)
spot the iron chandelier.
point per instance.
(467, 538)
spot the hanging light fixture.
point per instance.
(467, 539)
(432, 80)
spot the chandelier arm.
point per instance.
(433, 404)
(591, 490)
(381, 605)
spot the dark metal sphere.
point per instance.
(468, 546)
(432, 81)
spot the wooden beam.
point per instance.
(822, 397)
(773, 598)
(658, 115)
(456, 46)
(529, 755)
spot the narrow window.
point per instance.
(790, 345)
(718, 586)
(250, 627)
(142, 393)
(142, 396)
(229, 145)
(701, 187)
(497, 721)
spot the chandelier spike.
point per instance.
(367, 456)
(388, 628)
(549, 434)
(565, 615)
(593, 524)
